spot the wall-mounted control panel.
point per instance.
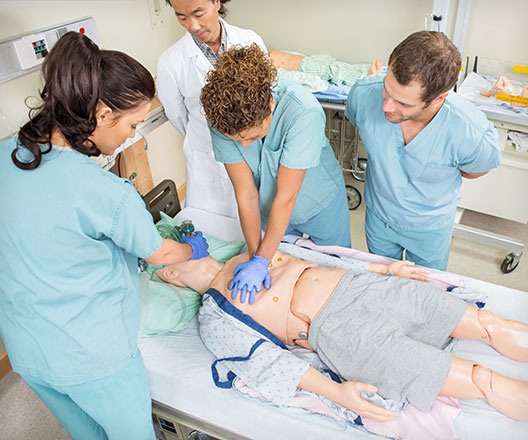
(25, 53)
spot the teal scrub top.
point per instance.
(71, 236)
(417, 186)
(296, 140)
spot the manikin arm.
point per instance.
(402, 269)
(346, 394)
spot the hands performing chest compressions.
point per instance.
(269, 133)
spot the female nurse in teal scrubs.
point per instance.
(270, 136)
(71, 237)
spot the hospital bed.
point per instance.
(185, 398)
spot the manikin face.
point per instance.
(246, 137)
(195, 274)
(199, 18)
(402, 103)
(114, 129)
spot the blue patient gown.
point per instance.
(71, 236)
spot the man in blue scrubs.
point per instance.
(270, 135)
(421, 139)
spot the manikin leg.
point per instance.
(509, 338)
(468, 380)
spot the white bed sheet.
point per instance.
(179, 368)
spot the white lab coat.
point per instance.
(181, 76)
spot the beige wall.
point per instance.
(360, 30)
(351, 30)
(123, 25)
(498, 33)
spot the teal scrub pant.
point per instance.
(115, 407)
(425, 248)
(331, 226)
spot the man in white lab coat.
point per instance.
(181, 75)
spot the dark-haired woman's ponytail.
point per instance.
(72, 73)
(78, 77)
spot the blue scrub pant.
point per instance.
(425, 248)
(115, 407)
(331, 226)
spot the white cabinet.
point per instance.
(504, 191)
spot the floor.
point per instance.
(23, 416)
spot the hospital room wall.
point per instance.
(497, 30)
(357, 31)
(123, 25)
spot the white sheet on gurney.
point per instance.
(179, 369)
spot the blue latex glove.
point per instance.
(248, 277)
(198, 244)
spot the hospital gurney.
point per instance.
(342, 135)
(344, 139)
(183, 392)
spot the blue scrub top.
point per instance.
(296, 140)
(71, 235)
(417, 186)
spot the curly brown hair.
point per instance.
(237, 92)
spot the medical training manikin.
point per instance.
(303, 294)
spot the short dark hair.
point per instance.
(429, 58)
(222, 12)
(78, 76)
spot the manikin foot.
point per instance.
(468, 380)
(509, 338)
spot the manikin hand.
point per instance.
(248, 277)
(407, 269)
(198, 245)
(349, 397)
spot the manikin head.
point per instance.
(195, 274)
(200, 18)
(422, 70)
(237, 96)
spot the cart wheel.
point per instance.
(510, 263)
(353, 197)
(362, 165)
